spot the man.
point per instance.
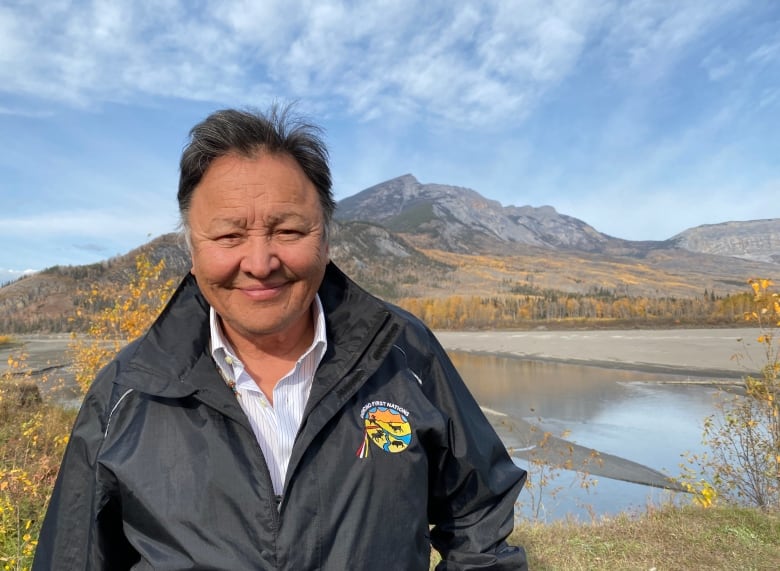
(276, 416)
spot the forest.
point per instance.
(552, 308)
(527, 310)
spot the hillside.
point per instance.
(47, 300)
(493, 248)
(403, 239)
(752, 240)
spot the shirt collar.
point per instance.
(225, 356)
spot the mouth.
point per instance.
(261, 292)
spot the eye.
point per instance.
(228, 239)
(289, 232)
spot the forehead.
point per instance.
(235, 181)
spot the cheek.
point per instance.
(213, 263)
(306, 261)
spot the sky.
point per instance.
(642, 118)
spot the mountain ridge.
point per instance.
(450, 215)
(459, 219)
(404, 239)
(757, 240)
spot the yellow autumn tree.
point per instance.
(34, 431)
(741, 463)
(126, 313)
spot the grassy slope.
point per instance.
(688, 538)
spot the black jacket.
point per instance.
(163, 471)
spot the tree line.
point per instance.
(567, 309)
(520, 308)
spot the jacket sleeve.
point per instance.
(474, 483)
(82, 528)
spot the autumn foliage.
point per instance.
(742, 438)
(566, 310)
(34, 431)
(118, 317)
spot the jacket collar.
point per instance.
(164, 358)
(172, 359)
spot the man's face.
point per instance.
(258, 244)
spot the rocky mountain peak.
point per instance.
(757, 240)
(461, 220)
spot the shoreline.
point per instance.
(694, 376)
(692, 356)
(725, 355)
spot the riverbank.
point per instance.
(701, 356)
(689, 538)
(697, 353)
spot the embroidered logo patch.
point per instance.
(387, 426)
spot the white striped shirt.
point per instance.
(275, 426)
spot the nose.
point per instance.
(259, 257)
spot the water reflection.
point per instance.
(648, 418)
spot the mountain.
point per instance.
(489, 246)
(752, 240)
(403, 239)
(383, 262)
(459, 219)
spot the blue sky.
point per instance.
(642, 118)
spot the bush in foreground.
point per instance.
(741, 462)
(33, 435)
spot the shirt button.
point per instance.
(229, 360)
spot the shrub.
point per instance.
(33, 432)
(742, 438)
(125, 315)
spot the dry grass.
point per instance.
(689, 538)
(6, 340)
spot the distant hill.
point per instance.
(752, 240)
(403, 239)
(45, 301)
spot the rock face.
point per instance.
(460, 220)
(757, 240)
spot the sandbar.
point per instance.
(700, 353)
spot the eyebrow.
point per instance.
(271, 219)
(227, 223)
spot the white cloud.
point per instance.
(719, 64)
(10, 275)
(17, 273)
(468, 63)
(86, 224)
(21, 112)
(647, 37)
(766, 53)
(769, 97)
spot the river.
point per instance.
(647, 418)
